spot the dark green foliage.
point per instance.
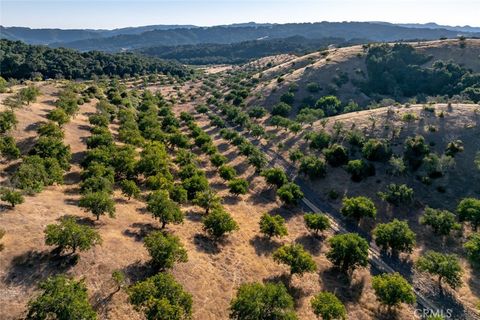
(336, 155)
(472, 247)
(130, 188)
(47, 147)
(59, 116)
(328, 306)
(96, 184)
(153, 160)
(218, 223)
(272, 226)
(309, 116)
(268, 301)
(178, 194)
(290, 193)
(282, 109)
(442, 222)
(313, 167)
(218, 160)
(50, 129)
(257, 112)
(98, 203)
(69, 235)
(329, 104)
(227, 173)
(99, 120)
(238, 186)
(319, 140)
(360, 169)
(20, 61)
(295, 256)
(34, 173)
(165, 250)
(11, 196)
(8, 120)
(194, 184)
(392, 289)
(397, 194)
(163, 208)
(8, 147)
(415, 149)
(62, 299)
(469, 210)
(316, 222)
(288, 98)
(207, 199)
(348, 251)
(358, 208)
(124, 161)
(395, 236)
(376, 150)
(445, 266)
(275, 177)
(161, 298)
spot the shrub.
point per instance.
(275, 177)
(165, 250)
(328, 306)
(360, 169)
(295, 256)
(469, 210)
(272, 226)
(257, 112)
(397, 194)
(218, 160)
(8, 147)
(238, 186)
(50, 129)
(163, 208)
(290, 193)
(194, 184)
(61, 298)
(130, 188)
(262, 301)
(69, 235)
(376, 150)
(161, 297)
(336, 155)
(59, 116)
(319, 140)
(227, 173)
(348, 251)
(7, 121)
(11, 196)
(329, 104)
(47, 147)
(207, 199)
(358, 208)
(415, 149)
(392, 289)
(218, 223)
(472, 247)
(316, 221)
(281, 109)
(313, 167)
(395, 236)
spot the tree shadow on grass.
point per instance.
(138, 271)
(263, 246)
(311, 242)
(343, 285)
(206, 244)
(265, 196)
(286, 279)
(140, 230)
(31, 267)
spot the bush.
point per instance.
(392, 289)
(442, 222)
(34, 173)
(415, 150)
(328, 306)
(218, 160)
(7, 121)
(360, 169)
(59, 116)
(238, 186)
(290, 193)
(336, 155)
(469, 210)
(227, 173)
(98, 203)
(281, 109)
(313, 167)
(348, 251)
(295, 256)
(397, 194)
(472, 247)
(47, 147)
(395, 236)
(69, 235)
(257, 112)
(316, 221)
(376, 150)
(275, 177)
(358, 208)
(445, 266)
(194, 184)
(272, 226)
(319, 140)
(161, 297)
(50, 129)
(165, 250)
(12, 197)
(218, 223)
(8, 147)
(61, 298)
(329, 104)
(262, 301)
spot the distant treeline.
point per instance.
(241, 52)
(21, 61)
(398, 70)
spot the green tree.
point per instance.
(360, 169)
(348, 251)
(469, 210)
(98, 203)
(275, 177)
(295, 256)
(161, 298)
(69, 235)
(130, 188)
(445, 266)
(8, 147)
(328, 306)
(281, 109)
(63, 299)
(290, 193)
(415, 149)
(316, 222)
(194, 184)
(329, 104)
(319, 140)
(218, 223)
(163, 208)
(11, 196)
(165, 250)
(358, 208)
(207, 199)
(376, 150)
(50, 129)
(336, 155)
(48, 147)
(227, 173)
(238, 186)
(272, 226)
(392, 289)
(8, 120)
(29, 94)
(218, 160)
(472, 247)
(313, 167)
(263, 302)
(395, 236)
(59, 116)
(442, 222)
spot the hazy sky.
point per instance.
(121, 13)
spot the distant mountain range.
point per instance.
(173, 35)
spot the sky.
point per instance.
(109, 14)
